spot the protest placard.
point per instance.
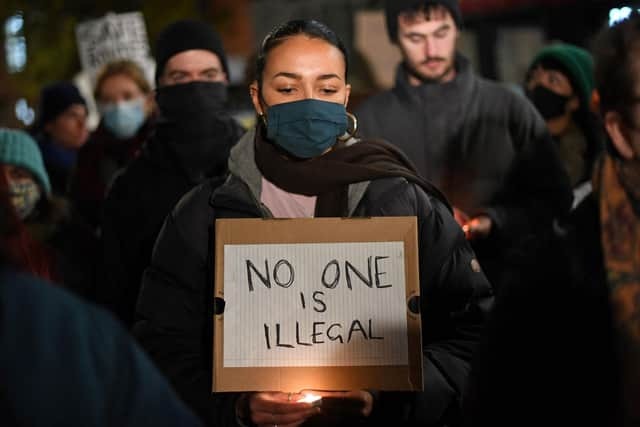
(113, 37)
(317, 304)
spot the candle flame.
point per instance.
(310, 398)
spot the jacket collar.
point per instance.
(242, 165)
(457, 89)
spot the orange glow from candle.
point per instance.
(310, 398)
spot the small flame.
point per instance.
(310, 398)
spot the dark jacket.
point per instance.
(549, 356)
(58, 161)
(71, 243)
(484, 146)
(136, 206)
(175, 315)
(98, 161)
(67, 363)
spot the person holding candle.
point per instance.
(303, 160)
(540, 363)
(482, 144)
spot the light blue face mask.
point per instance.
(306, 128)
(125, 118)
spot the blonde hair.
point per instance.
(121, 67)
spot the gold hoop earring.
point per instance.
(263, 119)
(351, 133)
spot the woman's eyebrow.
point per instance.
(329, 76)
(288, 75)
(299, 77)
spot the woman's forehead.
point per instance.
(304, 55)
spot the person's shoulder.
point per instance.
(42, 306)
(388, 187)
(499, 97)
(378, 101)
(88, 354)
(93, 147)
(497, 90)
(399, 190)
(198, 197)
(194, 212)
(130, 180)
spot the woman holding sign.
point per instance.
(302, 160)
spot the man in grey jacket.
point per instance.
(483, 145)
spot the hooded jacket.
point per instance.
(483, 145)
(174, 315)
(135, 208)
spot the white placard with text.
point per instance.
(113, 37)
(315, 304)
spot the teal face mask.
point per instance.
(125, 118)
(306, 128)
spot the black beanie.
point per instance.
(393, 8)
(55, 99)
(187, 35)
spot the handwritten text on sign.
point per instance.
(115, 36)
(317, 304)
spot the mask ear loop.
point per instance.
(351, 133)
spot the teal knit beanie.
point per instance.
(17, 148)
(575, 61)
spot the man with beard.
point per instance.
(193, 137)
(483, 145)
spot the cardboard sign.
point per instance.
(317, 304)
(121, 36)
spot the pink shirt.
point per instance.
(286, 205)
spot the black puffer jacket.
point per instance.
(484, 146)
(175, 324)
(140, 199)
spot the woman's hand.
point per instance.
(279, 409)
(348, 403)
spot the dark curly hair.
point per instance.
(617, 62)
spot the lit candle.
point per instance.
(311, 398)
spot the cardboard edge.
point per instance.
(223, 379)
(414, 321)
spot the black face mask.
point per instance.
(549, 104)
(183, 100)
(195, 127)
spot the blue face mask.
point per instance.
(125, 118)
(306, 128)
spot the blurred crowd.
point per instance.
(528, 213)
